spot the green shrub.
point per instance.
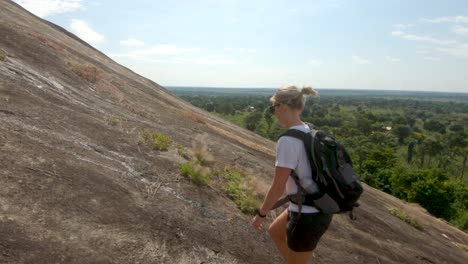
(2, 55)
(156, 140)
(196, 173)
(405, 218)
(239, 189)
(461, 221)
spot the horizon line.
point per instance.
(321, 88)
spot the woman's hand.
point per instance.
(257, 222)
(275, 192)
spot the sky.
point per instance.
(417, 45)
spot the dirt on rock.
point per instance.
(78, 186)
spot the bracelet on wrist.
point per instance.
(257, 211)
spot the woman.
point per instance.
(295, 237)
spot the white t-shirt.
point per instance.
(291, 154)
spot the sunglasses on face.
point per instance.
(273, 108)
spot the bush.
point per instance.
(156, 140)
(461, 221)
(199, 165)
(240, 190)
(196, 173)
(405, 218)
(434, 194)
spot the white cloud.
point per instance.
(292, 10)
(210, 60)
(403, 26)
(335, 3)
(361, 60)
(241, 50)
(165, 50)
(392, 59)
(429, 39)
(422, 51)
(171, 56)
(44, 8)
(461, 30)
(315, 62)
(85, 32)
(458, 50)
(140, 58)
(132, 42)
(432, 58)
(445, 19)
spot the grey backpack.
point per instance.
(332, 170)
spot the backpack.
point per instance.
(332, 170)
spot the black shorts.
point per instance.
(304, 233)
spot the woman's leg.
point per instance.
(277, 232)
(299, 257)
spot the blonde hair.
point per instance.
(293, 96)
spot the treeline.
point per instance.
(413, 148)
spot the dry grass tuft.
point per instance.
(405, 218)
(41, 38)
(200, 151)
(48, 42)
(88, 73)
(111, 88)
(199, 167)
(462, 246)
(195, 117)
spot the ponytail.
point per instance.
(292, 96)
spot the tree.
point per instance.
(209, 107)
(430, 147)
(226, 108)
(378, 166)
(361, 148)
(268, 118)
(402, 132)
(456, 128)
(399, 120)
(364, 125)
(409, 156)
(432, 193)
(252, 120)
(435, 126)
(465, 154)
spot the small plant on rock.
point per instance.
(197, 173)
(199, 167)
(405, 218)
(200, 152)
(3, 55)
(182, 151)
(156, 140)
(240, 189)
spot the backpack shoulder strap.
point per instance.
(311, 144)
